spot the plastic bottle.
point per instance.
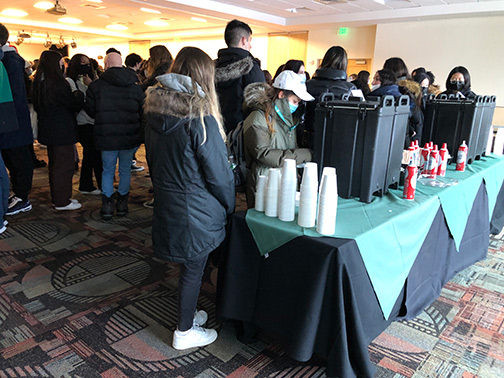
(410, 180)
(443, 160)
(462, 157)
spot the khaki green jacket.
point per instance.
(265, 149)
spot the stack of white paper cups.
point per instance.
(260, 193)
(287, 197)
(272, 189)
(328, 203)
(308, 196)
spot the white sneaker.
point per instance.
(200, 318)
(3, 229)
(95, 192)
(195, 337)
(71, 206)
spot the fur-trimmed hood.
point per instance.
(233, 63)
(412, 86)
(256, 96)
(174, 96)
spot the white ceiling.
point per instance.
(263, 15)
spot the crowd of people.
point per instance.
(182, 109)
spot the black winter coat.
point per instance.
(193, 183)
(115, 102)
(323, 80)
(235, 69)
(57, 125)
(151, 80)
(23, 135)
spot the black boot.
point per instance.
(122, 204)
(107, 209)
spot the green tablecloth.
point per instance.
(390, 231)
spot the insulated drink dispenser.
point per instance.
(399, 128)
(354, 136)
(486, 124)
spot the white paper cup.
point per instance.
(260, 192)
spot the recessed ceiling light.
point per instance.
(70, 20)
(117, 27)
(43, 5)
(95, 1)
(14, 12)
(148, 10)
(157, 23)
(199, 19)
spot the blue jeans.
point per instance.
(109, 159)
(4, 191)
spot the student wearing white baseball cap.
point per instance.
(269, 130)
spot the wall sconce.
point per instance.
(19, 40)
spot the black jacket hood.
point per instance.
(120, 76)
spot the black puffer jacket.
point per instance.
(323, 80)
(235, 69)
(193, 183)
(151, 80)
(57, 124)
(115, 102)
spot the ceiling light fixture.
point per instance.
(48, 41)
(11, 12)
(23, 34)
(19, 40)
(117, 27)
(95, 1)
(157, 23)
(70, 20)
(199, 19)
(148, 10)
(61, 42)
(73, 44)
(45, 5)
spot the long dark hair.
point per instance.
(293, 65)
(335, 57)
(48, 79)
(467, 79)
(73, 69)
(398, 66)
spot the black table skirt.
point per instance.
(313, 295)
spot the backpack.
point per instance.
(236, 155)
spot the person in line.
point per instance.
(458, 83)
(412, 89)
(362, 82)
(296, 66)
(388, 84)
(15, 144)
(56, 105)
(160, 61)
(235, 69)
(134, 61)
(79, 75)
(193, 182)
(8, 122)
(115, 102)
(329, 77)
(269, 130)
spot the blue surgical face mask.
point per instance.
(292, 107)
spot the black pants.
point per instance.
(61, 170)
(188, 291)
(19, 162)
(91, 160)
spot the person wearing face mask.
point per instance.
(79, 75)
(458, 83)
(269, 131)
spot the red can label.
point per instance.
(410, 183)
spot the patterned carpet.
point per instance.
(81, 297)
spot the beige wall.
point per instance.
(440, 45)
(358, 43)
(30, 51)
